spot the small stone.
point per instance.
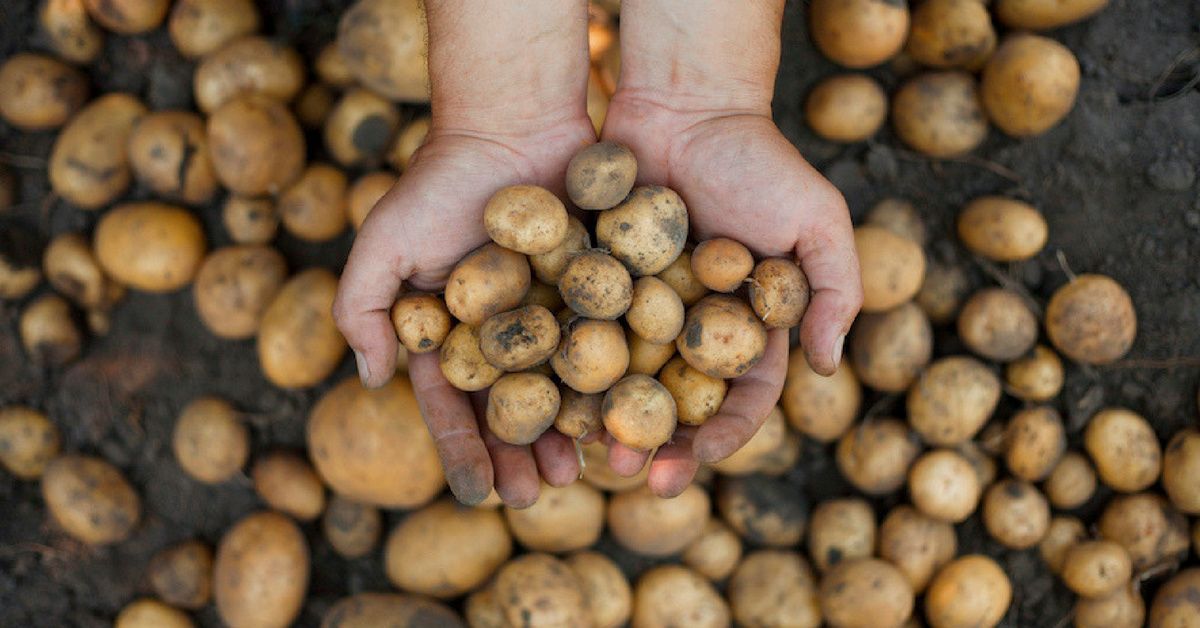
(1173, 175)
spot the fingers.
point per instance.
(747, 404)
(674, 466)
(827, 255)
(452, 422)
(624, 461)
(514, 468)
(556, 458)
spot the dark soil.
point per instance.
(1116, 182)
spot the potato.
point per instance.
(715, 553)
(595, 285)
(722, 337)
(1181, 469)
(841, 529)
(951, 34)
(1177, 602)
(597, 472)
(422, 322)
(446, 549)
(916, 544)
(201, 27)
(639, 412)
(521, 406)
(527, 219)
(313, 208)
(1035, 441)
(1125, 449)
(655, 312)
(545, 296)
(1029, 84)
(540, 590)
(1091, 320)
(952, 399)
(942, 292)
(1045, 14)
(168, 151)
(352, 528)
(647, 231)
(1149, 528)
(364, 193)
(298, 343)
(779, 293)
(606, 592)
(1071, 483)
(28, 441)
(128, 17)
(563, 519)
(38, 92)
(1036, 377)
(369, 610)
(865, 592)
(1094, 569)
(1063, 533)
(673, 595)
(70, 31)
(889, 349)
(287, 483)
(774, 588)
(601, 31)
(250, 220)
(647, 358)
(940, 114)
(997, 324)
(875, 455)
(970, 591)
(261, 571)
(385, 44)
(333, 68)
(859, 33)
(360, 128)
(1015, 513)
(761, 451)
(234, 287)
(210, 441)
(89, 499)
(592, 355)
(357, 438)
(943, 485)
(20, 248)
(683, 280)
(846, 108)
(251, 65)
(900, 217)
(149, 246)
(651, 526)
(1002, 229)
(820, 407)
(489, 280)
(1122, 609)
(483, 610)
(697, 396)
(314, 104)
(601, 175)
(981, 461)
(462, 362)
(892, 267)
(764, 511)
(549, 266)
(89, 165)
(256, 145)
(722, 264)
(150, 613)
(49, 333)
(182, 574)
(410, 138)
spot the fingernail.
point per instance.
(364, 371)
(837, 350)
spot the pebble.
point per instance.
(1172, 175)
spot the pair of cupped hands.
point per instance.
(740, 178)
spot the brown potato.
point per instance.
(90, 500)
(1122, 609)
(1177, 602)
(540, 590)
(168, 151)
(563, 519)
(1125, 449)
(951, 34)
(595, 285)
(149, 246)
(261, 571)
(889, 349)
(526, 218)
(70, 31)
(764, 511)
(201, 27)
(846, 108)
(647, 231)
(210, 441)
(655, 312)
(364, 193)
(981, 461)
(333, 68)
(371, 610)
(89, 165)
(446, 549)
(597, 472)
(697, 396)
(28, 441)
(256, 145)
(483, 610)
(250, 220)
(182, 574)
(774, 588)
(820, 407)
(952, 399)
(601, 175)
(1071, 483)
(1095, 569)
(1046, 14)
(38, 92)
(683, 280)
(762, 451)
(357, 438)
(942, 292)
(549, 266)
(940, 114)
(352, 528)
(49, 333)
(943, 485)
(313, 208)
(1035, 440)
(1063, 533)
(1016, 514)
(1091, 320)
(841, 529)
(578, 414)
(892, 267)
(1149, 528)
(314, 105)
(148, 613)
(865, 592)
(421, 321)
(606, 592)
(651, 526)
(360, 128)
(386, 46)
(1037, 377)
(997, 324)
(298, 343)
(900, 217)
(592, 355)
(673, 595)
(1029, 84)
(249, 65)
(1002, 229)
(647, 358)
(1181, 470)
(916, 544)
(722, 337)
(462, 362)
(722, 264)
(970, 591)
(715, 553)
(639, 412)
(234, 287)
(522, 406)
(128, 17)
(287, 483)
(489, 280)
(544, 295)
(875, 455)
(779, 292)
(859, 33)
(408, 141)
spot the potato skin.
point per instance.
(90, 499)
(489, 280)
(940, 114)
(210, 441)
(370, 610)
(526, 218)
(716, 553)
(601, 175)
(591, 356)
(1016, 514)
(1002, 229)
(1176, 604)
(549, 266)
(540, 590)
(820, 407)
(235, 285)
(1091, 320)
(970, 591)
(942, 292)
(1181, 468)
(952, 399)
(150, 613)
(1071, 482)
(763, 510)
(1124, 448)
(889, 349)
(89, 163)
(1035, 441)
(859, 33)
(875, 456)
(365, 193)
(168, 151)
(865, 592)
(722, 337)
(1096, 568)
(892, 267)
(408, 141)
(149, 246)
(673, 595)
(943, 485)
(250, 220)
(48, 332)
(1149, 528)
(521, 407)
(606, 592)
(1046, 14)
(655, 312)
(28, 441)
(313, 207)
(70, 31)
(261, 572)
(421, 321)
(1123, 609)
(578, 414)
(951, 34)
(446, 549)
(647, 231)
(762, 452)
(287, 483)
(298, 343)
(360, 127)
(639, 412)
(352, 528)
(1063, 533)
(697, 396)
(679, 275)
(200, 27)
(918, 545)
(249, 65)
(846, 108)
(1036, 377)
(648, 525)
(1029, 84)
(385, 44)
(595, 285)
(462, 363)
(647, 358)
(128, 17)
(774, 588)
(779, 293)
(997, 324)
(563, 519)
(256, 145)
(181, 575)
(840, 529)
(722, 264)
(38, 92)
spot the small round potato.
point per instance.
(971, 591)
(916, 544)
(859, 33)
(1124, 608)
(892, 267)
(1095, 569)
(591, 356)
(639, 412)
(540, 590)
(149, 613)
(722, 337)
(841, 529)
(889, 349)
(371, 610)
(489, 280)
(601, 176)
(28, 441)
(722, 264)
(942, 292)
(421, 321)
(1035, 440)
(764, 511)
(943, 485)
(673, 595)
(89, 164)
(90, 499)
(1181, 470)
(182, 574)
(649, 525)
(261, 571)
(900, 217)
(210, 441)
(1147, 526)
(333, 68)
(563, 519)
(462, 362)
(875, 455)
(1177, 603)
(365, 193)
(38, 92)
(249, 65)
(48, 331)
(820, 407)
(1037, 377)
(655, 312)
(1016, 514)
(1071, 483)
(606, 592)
(1029, 84)
(774, 588)
(298, 343)
(682, 280)
(846, 108)
(940, 114)
(408, 141)
(1046, 14)
(1063, 533)
(256, 145)
(128, 17)
(716, 553)
(697, 396)
(951, 34)
(446, 549)
(313, 207)
(287, 483)
(71, 32)
(1125, 449)
(997, 324)
(595, 285)
(647, 358)
(952, 399)
(549, 266)
(981, 461)
(149, 246)
(234, 287)
(314, 105)
(521, 406)
(169, 154)
(779, 292)
(1091, 320)
(1002, 229)
(578, 414)
(864, 592)
(545, 296)
(483, 610)
(250, 220)
(202, 27)
(647, 231)
(360, 128)
(385, 43)
(352, 528)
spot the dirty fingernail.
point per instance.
(364, 371)
(837, 350)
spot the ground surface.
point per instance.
(1116, 182)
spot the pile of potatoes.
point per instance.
(1026, 83)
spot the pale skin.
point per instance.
(693, 103)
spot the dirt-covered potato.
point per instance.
(997, 324)
(820, 407)
(89, 164)
(1181, 470)
(540, 590)
(774, 588)
(764, 511)
(149, 246)
(952, 399)
(970, 591)
(1035, 440)
(647, 358)
(606, 592)
(256, 145)
(371, 610)
(38, 92)
(647, 231)
(313, 207)
(489, 280)
(357, 438)
(943, 485)
(682, 280)
(249, 65)
(1177, 603)
(859, 33)
(563, 519)
(673, 595)
(697, 396)
(840, 529)
(646, 524)
(549, 266)
(951, 34)
(234, 287)
(168, 151)
(150, 613)
(1071, 483)
(287, 483)
(446, 549)
(864, 592)
(1063, 533)
(70, 30)
(1002, 229)
(314, 105)
(250, 220)
(49, 332)
(261, 571)
(942, 292)
(916, 544)
(578, 413)
(875, 455)
(128, 17)
(721, 264)
(595, 285)
(521, 406)
(1123, 608)
(28, 441)
(462, 362)
(722, 337)
(422, 322)
(1036, 377)
(352, 528)
(408, 140)
(483, 610)
(1029, 84)
(1046, 14)
(89, 499)
(900, 217)
(201, 27)
(762, 451)
(1015, 513)
(364, 193)
(889, 349)
(591, 356)
(1147, 526)
(846, 108)
(360, 128)
(298, 343)
(778, 292)
(601, 176)
(639, 412)
(1091, 320)
(892, 267)
(386, 46)
(940, 114)
(655, 312)
(715, 553)
(210, 441)
(182, 574)
(1124, 448)
(1096, 568)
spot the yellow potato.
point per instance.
(916, 544)
(942, 292)
(1035, 440)
(1002, 229)
(48, 332)
(128, 17)
(1063, 533)
(249, 65)
(601, 175)
(840, 529)
(1181, 468)
(1123, 609)
(647, 358)
(892, 267)
(149, 246)
(722, 337)
(313, 207)
(71, 32)
(763, 451)
(352, 528)
(1029, 84)
(563, 519)
(181, 575)
(697, 396)
(774, 588)
(1046, 14)
(38, 92)
(250, 220)
(900, 217)
(314, 105)
(595, 285)
(526, 218)
(715, 553)
(446, 549)
(261, 571)
(364, 193)
(889, 349)
(820, 407)
(28, 441)
(1016, 514)
(408, 141)
(1071, 483)
(210, 441)
(333, 68)
(90, 500)
(168, 151)
(148, 613)
(287, 483)
(597, 472)
(943, 485)
(859, 33)
(234, 287)
(540, 590)
(89, 164)
(386, 46)
(591, 356)
(940, 114)
(1125, 449)
(673, 595)
(1035, 377)
(875, 455)
(522, 406)
(578, 414)
(606, 592)
(1091, 320)
(462, 362)
(971, 591)
(1147, 526)
(952, 399)
(865, 592)
(779, 292)
(201, 27)
(683, 280)
(1095, 569)
(655, 312)
(360, 128)
(639, 412)
(549, 266)
(370, 610)
(421, 321)
(722, 264)
(846, 108)
(951, 34)
(647, 231)
(651, 526)
(997, 324)
(1176, 603)
(489, 280)
(764, 511)
(298, 343)
(256, 145)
